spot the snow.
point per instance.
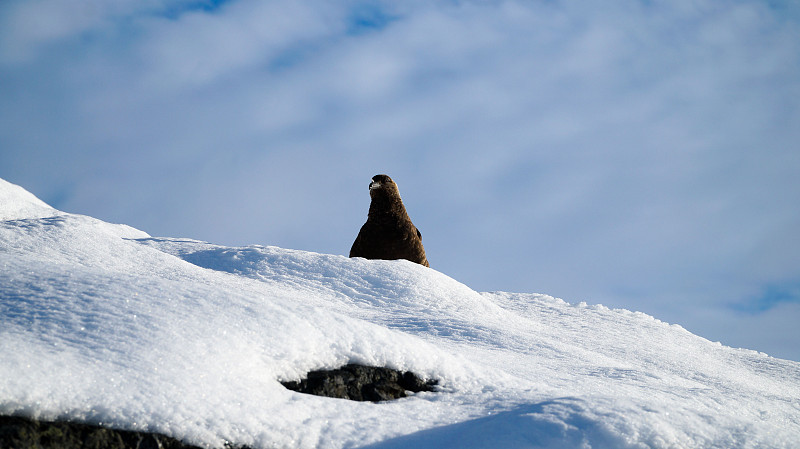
(104, 324)
(16, 202)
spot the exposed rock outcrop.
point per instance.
(361, 383)
(23, 433)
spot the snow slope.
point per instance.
(105, 324)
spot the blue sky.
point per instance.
(642, 155)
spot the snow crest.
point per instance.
(105, 324)
(16, 202)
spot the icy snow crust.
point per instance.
(102, 323)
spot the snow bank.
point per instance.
(16, 202)
(104, 324)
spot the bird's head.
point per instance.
(383, 186)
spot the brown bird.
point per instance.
(388, 233)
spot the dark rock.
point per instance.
(361, 383)
(24, 433)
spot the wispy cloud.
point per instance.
(771, 296)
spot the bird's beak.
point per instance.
(374, 185)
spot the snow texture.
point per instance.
(102, 323)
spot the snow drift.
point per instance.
(101, 323)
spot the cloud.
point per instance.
(770, 297)
(200, 48)
(30, 26)
(639, 154)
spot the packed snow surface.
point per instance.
(102, 323)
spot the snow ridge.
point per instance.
(105, 324)
(16, 202)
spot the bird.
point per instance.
(388, 233)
